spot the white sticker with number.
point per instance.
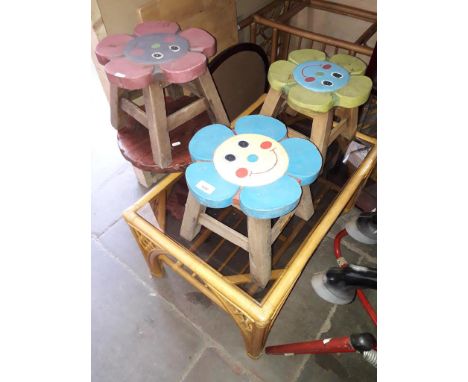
(205, 187)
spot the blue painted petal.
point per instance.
(305, 160)
(208, 187)
(271, 201)
(261, 124)
(205, 141)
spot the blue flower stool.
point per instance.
(257, 169)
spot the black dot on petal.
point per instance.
(243, 144)
(327, 83)
(230, 157)
(337, 75)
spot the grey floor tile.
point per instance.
(211, 367)
(113, 197)
(106, 158)
(136, 336)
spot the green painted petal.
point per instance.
(355, 93)
(302, 55)
(307, 102)
(353, 65)
(280, 74)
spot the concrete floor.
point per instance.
(146, 329)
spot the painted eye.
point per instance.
(157, 55)
(174, 48)
(337, 75)
(243, 144)
(327, 83)
(230, 157)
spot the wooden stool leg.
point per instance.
(190, 226)
(145, 178)
(259, 237)
(157, 124)
(209, 91)
(305, 209)
(271, 103)
(117, 114)
(321, 127)
(351, 125)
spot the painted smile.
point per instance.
(271, 168)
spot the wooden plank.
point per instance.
(352, 123)
(117, 115)
(224, 231)
(216, 17)
(279, 225)
(134, 111)
(337, 130)
(208, 90)
(321, 126)
(190, 222)
(272, 100)
(157, 124)
(305, 209)
(186, 113)
(246, 278)
(259, 234)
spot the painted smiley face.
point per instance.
(321, 76)
(251, 160)
(156, 48)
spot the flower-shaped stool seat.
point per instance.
(254, 167)
(156, 56)
(313, 86)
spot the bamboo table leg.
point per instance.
(321, 127)
(259, 237)
(157, 124)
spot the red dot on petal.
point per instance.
(326, 66)
(265, 145)
(309, 79)
(242, 172)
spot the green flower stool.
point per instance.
(317, 87)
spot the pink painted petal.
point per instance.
(112, 47)
(200, 41)
(184, 69)
(128, 74)
(150, 27)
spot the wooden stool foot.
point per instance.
(305, 209)
(272, 100)
(190, 226)
(259, 238)
(321, 127)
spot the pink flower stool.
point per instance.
(156, 56)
